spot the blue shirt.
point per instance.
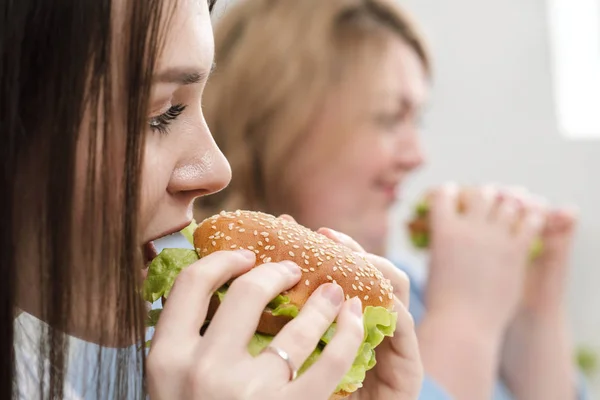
(431, 390)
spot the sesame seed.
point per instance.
(347, 297)
(306, 262)
(354, 287)
(240, 222)
(214, 227)
(345, 274)
(334, 269)
(227, 237)
(267, 259)
(366, 297)
(267, 239)
(265, 234)
(307, 282)
(329, 277)
(250, 247)
(291, 253)
(260, 243)
(230, 226)
(304, 270)
(381, 299)
(390, 296)
(241, 230)
(312, 269)
(296, 246)
(360, 288)
(214, 243)
(255, 233)
(262, 256)
(233, 246)
(211, 237)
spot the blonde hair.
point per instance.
(276, 60)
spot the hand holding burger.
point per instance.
(292, 327)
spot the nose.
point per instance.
(409, 153)
(201, 171)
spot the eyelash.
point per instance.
(161, 122)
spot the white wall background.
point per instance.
(493, 118)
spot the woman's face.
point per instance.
(350, 168)
(181, 160)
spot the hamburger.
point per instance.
(321, 260)
(419, 229)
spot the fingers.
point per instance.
(185, 312)
(479, 202)
(404, 343)
(237, 317)
(337, 357)
(397, 277)
(506, 212)
(287, 217)
(342, 238)
(301, 336)
(561, 220)
(444, 202)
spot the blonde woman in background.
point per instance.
(316, 103)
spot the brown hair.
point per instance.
(62, 103)
(276, 60)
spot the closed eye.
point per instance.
(161, 122)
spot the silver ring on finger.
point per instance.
(285, 357)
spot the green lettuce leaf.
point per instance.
(378, 323)
(422, 209)
(153, 316)
(164, 269)
(285, 310)
(188, 231)
(420, 240)
(536, 249)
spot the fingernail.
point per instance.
(291, 266)
(337, 234)
(356, 307)
(333, 293)
(247, 254)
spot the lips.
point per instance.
(389, 189)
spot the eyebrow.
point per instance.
(183, 76)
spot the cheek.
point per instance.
(156, 171)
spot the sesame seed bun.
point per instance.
(321, 259)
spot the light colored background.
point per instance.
(492, 117)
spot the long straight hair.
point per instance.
(66, 79)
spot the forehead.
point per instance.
(391, 71)
(401, 73)
(189, 39)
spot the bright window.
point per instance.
(574, 27)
